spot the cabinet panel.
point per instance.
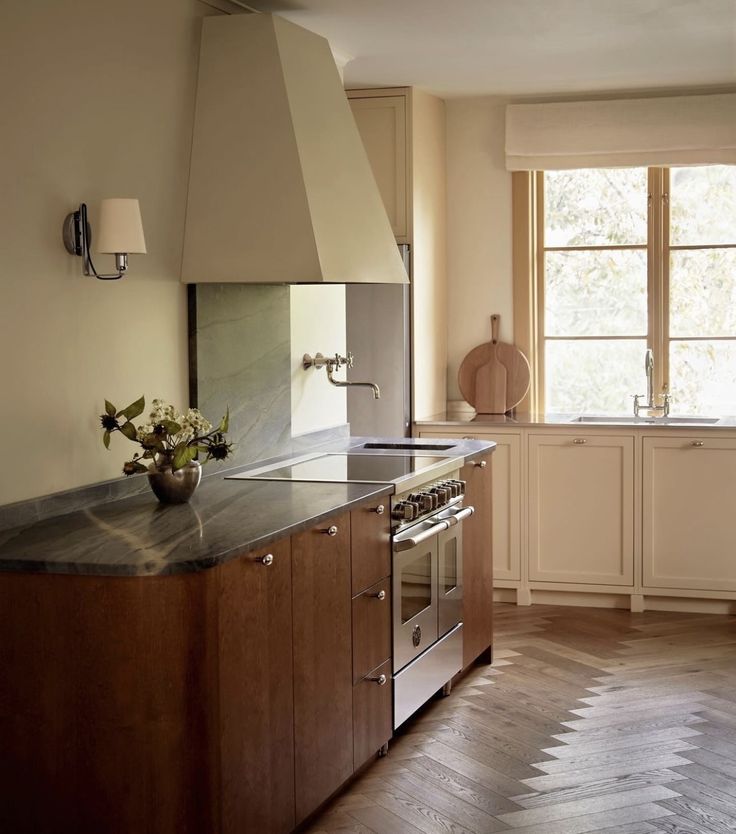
(477, 561)
(381, 123)
(581, 509)
(256, 692)
(371, 544)
(689, 526)
(371, 628)
(323, 681)
(372, 714)
(505, 500)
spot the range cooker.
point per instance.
(427, 575)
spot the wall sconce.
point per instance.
(120, 233)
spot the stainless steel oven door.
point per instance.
(450, 578)
(415, 589)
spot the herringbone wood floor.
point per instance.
(588, 720)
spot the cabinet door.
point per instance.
(689, 523)
(505, 500)
(381, 123)
(372, 713)
(581, 509)
(370, 553)
(256, 692)
(477, 561)
(323, 679)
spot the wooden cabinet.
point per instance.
(323, 705)
(403, 132)
(581, 509)
(477, 561)
(256, 701)
(689, 519)
(371, 620)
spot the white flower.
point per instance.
(194, 423)
(143, 432)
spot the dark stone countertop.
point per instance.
(136, 536)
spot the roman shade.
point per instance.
(678, 130)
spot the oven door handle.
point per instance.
(407, 544)
(458, 515)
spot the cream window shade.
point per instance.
(678, 130)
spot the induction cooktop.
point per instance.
(352, 468)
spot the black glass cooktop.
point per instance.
(346, 467)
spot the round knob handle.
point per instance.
(380, 596)
(468, 437)
(381, 680)
(267, 559)
(380, 510)
(697, 443)
(580, 441)
(331, 531)
(481, 464)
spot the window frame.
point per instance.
(528, 276)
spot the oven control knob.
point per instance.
(459, 485)
(405, 511)
(443, 493)
(453, 487)
(427, 501)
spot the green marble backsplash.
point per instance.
(240, 357)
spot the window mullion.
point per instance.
(655, 301)
(665, 281)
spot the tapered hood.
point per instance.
(280, 190)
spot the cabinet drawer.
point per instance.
(371, 543)
(371, 628)
(372, 714)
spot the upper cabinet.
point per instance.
(403, 131)
(280, 188)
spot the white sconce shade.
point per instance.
(120, 228)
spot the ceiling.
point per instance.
(525, 47)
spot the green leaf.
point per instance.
(133, 410)
(106, 439)
(183, 454)
(171, 426)
(225, 422)
(110, 408)
(129, 430)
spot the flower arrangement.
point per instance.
(168, 439)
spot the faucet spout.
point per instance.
(345, 384)
(649, 368)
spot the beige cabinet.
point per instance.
(689, 519)
(403, 132)
(506, 501)
(581, 509)
(381, 122)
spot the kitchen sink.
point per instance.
(432, 447)
(663, 421)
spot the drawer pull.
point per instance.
(481, 464)
(580, 441)
(468, 437)
(266, 560)
(331, 531)
(380, 510)
(381, 680)
(697, 443)
(380, 596)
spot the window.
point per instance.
(630, 258)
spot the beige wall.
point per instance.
(478, 228)
(317, 326)
(97, 100)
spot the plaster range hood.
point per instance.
(280, 189)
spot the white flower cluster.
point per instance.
(194, 423)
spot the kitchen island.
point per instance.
(212, 667)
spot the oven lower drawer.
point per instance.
(416, 683)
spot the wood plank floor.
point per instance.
(589, 720)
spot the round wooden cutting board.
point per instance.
(494, 377)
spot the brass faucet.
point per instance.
(335, 363)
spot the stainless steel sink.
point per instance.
(424, 447)
(659, 421)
